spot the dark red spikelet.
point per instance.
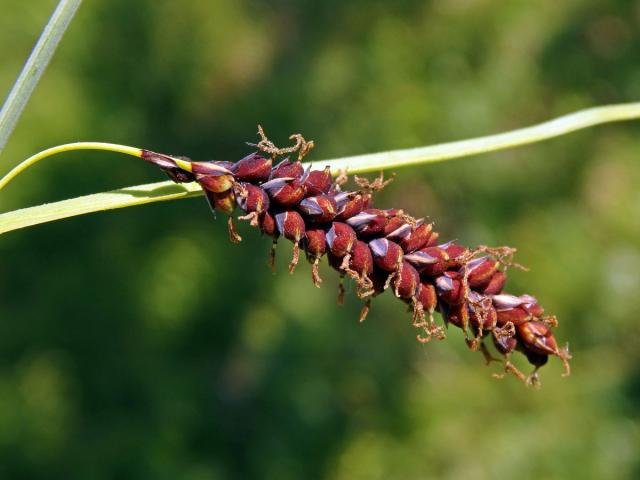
(482, 314)
(215, 183)
(458, 255)
(433, 239)
(319, 209)
(315, 242)
(224, 202)
(291, 226)
(380, 280)
(417, 239)
(458, 315)
(317, 182)
(407, 281)
(505, 344)
(510, 309)
(315, 246)
(369, 222)
(450, 288)
(288, 169)
(268, 225)
(538, 338)
(351, 204)
(427, 296)
(252, 198)
(285, 191)
(340, 239)
(480, 271)
(430, 261)
(495, 284)
(387, 255)
(397, 229)
(361, 259)
(379, 249)
(253, 168)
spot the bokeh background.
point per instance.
(142, 344)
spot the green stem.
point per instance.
(491, 143)
(68, 147)
(34, 67)
(163, 191)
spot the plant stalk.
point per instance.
(34, 67)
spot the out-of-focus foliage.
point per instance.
(141, 344)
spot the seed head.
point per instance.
(379, 249)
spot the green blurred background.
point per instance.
(142, 344)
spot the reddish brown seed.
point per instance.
(361, 259)
(496, 283)
(536, 359)
(317, 182)
(393, 212)
(433, 239)
(288, 169)
(340, 239)
(335, 262)
(449, 288)
(505, 301)
(434, 261)
(426, 295)
(534, 309)
(480, 271)
(505, 345)
(290, 225)
(482, 314)
(224, 202)
(537, 337)
(396, 229)
(369, 222)
(319, 209)
(458, 315)
(421, 259)
(509, 309)
(515, 315)
(380, 279)
(350, 205)
(387, 255)
(253, 168)
(531, 306)
(315, 242)
(487, 319)
(284, 191)
(215, 183)
(268, 225)
(407, 282)
(251, 198)
(455, 252)
(367, 201)
(417, 239)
